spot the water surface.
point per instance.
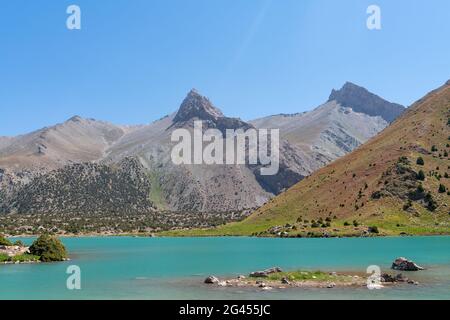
(174, 268)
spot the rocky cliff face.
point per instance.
(361, 100)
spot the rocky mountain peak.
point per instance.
(75, 118)
(197, 106)
(363, 101)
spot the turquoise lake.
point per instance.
(174, 268)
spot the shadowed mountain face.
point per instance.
(37, 166)
(361, 100)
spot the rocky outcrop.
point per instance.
(361, 100)
(197, 106)
(212, 280)
(12, 251)
(265, 273)
(403, 264)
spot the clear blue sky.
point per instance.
(134, 61)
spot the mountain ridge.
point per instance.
(198, 188)
(395, 184)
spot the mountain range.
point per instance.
(85, 165)
(395, 184)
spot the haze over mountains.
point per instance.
(87, 158)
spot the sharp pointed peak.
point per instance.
(197, 106)
(75, 118)
(193, 92)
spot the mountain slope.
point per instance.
(378, 185)
(74, 141)
(85, 188)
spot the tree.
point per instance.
(48, 248)
(442, 188)
(421, 175)
(4, 241)
(420, 161)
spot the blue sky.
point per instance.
(134, 61)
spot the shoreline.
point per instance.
(156, 235)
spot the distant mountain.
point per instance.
(202, 188)
(76, 140)
(397, 183)
(66, 166)
(361, 100)
(335, 128)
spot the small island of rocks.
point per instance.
(276, 278)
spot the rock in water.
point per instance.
(265, 273)
(212, 280)
(404, 264)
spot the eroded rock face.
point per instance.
(361, 100)
(403, 264)
(197, 106)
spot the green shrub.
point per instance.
(442, 188)
(4, 257)
(48, 248)
(4, 241)
(431, 203)
(346, 224)
(421, 175)
(420, 161)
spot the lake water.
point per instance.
(174, 268)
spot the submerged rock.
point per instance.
(403, 264)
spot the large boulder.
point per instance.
(403, 264)
(212, 280)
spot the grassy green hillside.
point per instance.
(397, 183)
